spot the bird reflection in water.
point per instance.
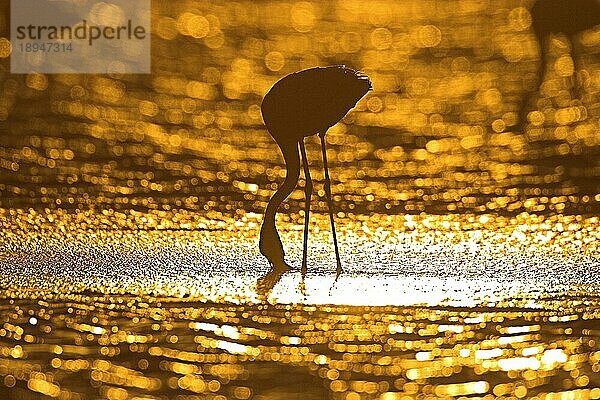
(299, 105)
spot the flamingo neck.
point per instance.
(270, 242)
(292, 163)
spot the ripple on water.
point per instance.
(77, 346)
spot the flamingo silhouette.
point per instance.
(548, 17)
(303, 104)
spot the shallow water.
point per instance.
(459, 260)
(428, 307)
(119, 347)
(130, 208)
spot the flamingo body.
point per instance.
(308, 102)
(559, 16)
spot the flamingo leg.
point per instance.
(544, 43)
(308, 187)
(579, 64)
(330, 204)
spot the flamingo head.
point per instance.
(353, 84)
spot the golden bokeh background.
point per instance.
(130, 207)
(437, 133)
